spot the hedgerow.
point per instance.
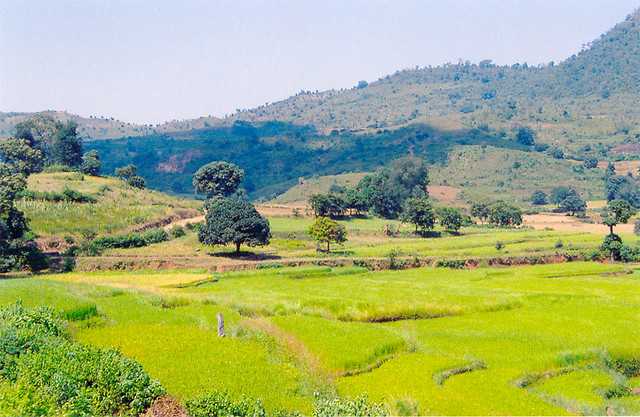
(130, 240)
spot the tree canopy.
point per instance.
(325, 230)
(218, 179)
(233, 220)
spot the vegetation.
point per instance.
(327, 231)
(233, 220)
(218, 179)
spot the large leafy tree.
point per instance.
(450, 219)
(21, 155)
(17, 250)
(91, 163)
(617, 212)
(504, 214)
(327, 231)
(233, 220)
(419, 212)
(481, 211)
(67, 145)
(573, 204)
(218, 179)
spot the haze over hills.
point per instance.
(584, 107)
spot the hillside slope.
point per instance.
(118, 207)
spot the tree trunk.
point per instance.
(237, 247)
(328, 248)
(611, 229)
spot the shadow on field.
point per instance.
(247, 256)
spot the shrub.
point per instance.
(220, 404)
(177, 231)
(67, 195)
(131, 240)
(337, 407)
(499, 245)
(48, 374)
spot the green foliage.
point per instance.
(218, 179)
(450, 219)
(526, 136)
(327, 231)
(91, 163)
(20, 155)
(137, 181)
(67, 146)
(573, 204)
(328, 205)
(504, 214)
(233, 220)
(559, 194)
(539, 198)
(126, 172)
(220, 404)
(130, 240)
(359, 407)
(177, 232)
(480, 210)
(17, 249)
(590, 163)
(50, 375)
(622, 188)
(616, 212)
(612, 245)
(419, 212)
(67, 195)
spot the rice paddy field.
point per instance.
(529, 340)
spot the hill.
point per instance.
(101, 127)
(116, 207)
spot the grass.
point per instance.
(495, 327)
(119, 207)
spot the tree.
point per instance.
(617, 212)
(590, 163)
(137, 182)
(620, 187)
(611, 170)
(126, 172)
(419, 212)
(480, 211)
(380, 197)
(558, 194)
(67, 146)
(327, 231)
(450, 218)
(526, 136)
(23, 157)
(573, 204)
(327, 205)
(91, 163)
(539, 198)
(504, 214)
(17, 250)
(218, 179)
(409, 177)
(233, 220)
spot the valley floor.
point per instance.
(531, 340)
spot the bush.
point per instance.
(48, 374)
(177, 231)
(336, 407)
(131, 240)
(220, 404)
(67, 195)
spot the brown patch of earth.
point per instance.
(444, 193)
(283, 210)
(623, 167)
(633, 148)
(564, 223)
(166, 407)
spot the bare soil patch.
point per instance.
(444, 193)
(564, 223)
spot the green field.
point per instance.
(522, 340)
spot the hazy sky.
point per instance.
(156, 60)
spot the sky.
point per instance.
(158, 60)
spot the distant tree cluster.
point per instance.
(500, 213)
(129, 174)
(568, 200)
(383, 193)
